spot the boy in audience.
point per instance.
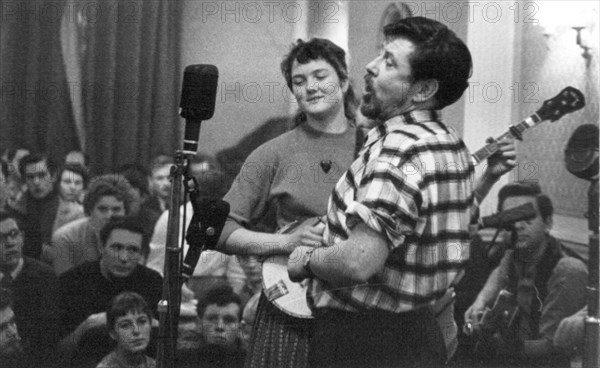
(79, 241)
(219, 317)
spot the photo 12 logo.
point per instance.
(267, 11)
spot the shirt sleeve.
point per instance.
(249, 193)
(62, 252)
(390, 202)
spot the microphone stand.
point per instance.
(591, 356)
(169, 305)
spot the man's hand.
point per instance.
(475, 312)
(502, 161)
(296, 261)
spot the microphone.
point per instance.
(506, 218)
(204, 230)
(198, 95)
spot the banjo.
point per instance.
(290, 297)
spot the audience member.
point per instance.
(219, 318)
(248, 318)
(160, 183)
(12, 192)
(138, 176)
(545, 285)
(72, 182)
(11, 349)
(213, 268)
(76, 158)
(87, 290)
(13, 157)
(78, 241)
(41, 202)
(35, 289)
(129, 323)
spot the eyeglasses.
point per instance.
(11, 235)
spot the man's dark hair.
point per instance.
(107, 185)
(34, 158)
(544, 202)
(439, 54)
(137, 175)
(221, 295)
(124, 303)
(128, 223)
(6, 298)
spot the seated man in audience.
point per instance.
(34, 287)
(160, 183)
(213, 268)
(78, 241)
(545, 286)
(87, 290)
(11, 349)
(219, 318)
(41, 202)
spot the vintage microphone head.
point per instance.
(581, 152)
(198, 96)
(199, 91)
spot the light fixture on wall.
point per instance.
(557, 18)
(586, 49)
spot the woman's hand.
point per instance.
(308, 234)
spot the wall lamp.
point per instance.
(586, 49)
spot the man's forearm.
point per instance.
(70, 343)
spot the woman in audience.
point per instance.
(71, 183)
(291, 178)
(129, 323)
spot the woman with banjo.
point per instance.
(288, 180)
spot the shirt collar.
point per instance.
(399, 121)
(17, 269)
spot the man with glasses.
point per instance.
(11, 349)
(34, 287)
(87, 289)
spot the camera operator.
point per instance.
(536, 281)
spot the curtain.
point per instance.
(130, 81)
(35, 108)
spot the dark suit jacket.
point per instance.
(35, 291)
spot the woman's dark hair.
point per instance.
(315, 49)
(107, 185)
(124, 303)
(439, 54)
(75, 168)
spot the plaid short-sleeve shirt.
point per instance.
(412, 182)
